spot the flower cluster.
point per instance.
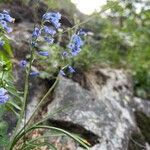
(53, 18)
(47, 32)
(4, 97)
(5, 18)
(74, 46)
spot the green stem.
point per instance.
(26, 89)
(42, 100)
(36, 139)
(1, 80)
(34, 112)
(39, 122)
(56, 129)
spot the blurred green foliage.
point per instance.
(3, 128)
(6, 75)
(7, 82)
(5, 72)
(121, 39)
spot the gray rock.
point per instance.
(141, 105)
(104, 110)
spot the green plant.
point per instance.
(21, 134)
(3, 128)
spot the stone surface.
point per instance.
(141, 105)
(103, 110)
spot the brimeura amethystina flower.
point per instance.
(64, 54)
(34, 73)
(4, 97)
(75, 44)
(62, 72)
(36, 32)
(23, 63)
(81, 32)
(43, 53)
(49, 30)
(8, 18)
(67, 69)
(5, 18)
(71, 69)
(49, 40)
(53, 18)
(3, 23)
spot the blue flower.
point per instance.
(36, 32)
(55, 23)
(5, 16)
(49, 30)
(23, 63)
(81, 32)
(4, 97)
(34, 73)
(75, 49)
(8, 18)
(75, 44)
(8, 29)
(34, 44)
(50, 15)
(1, 43)
(71, 69)
(4, 19)
(62, 73)
(49, 40)
(43, 53)
(53, 18)
(1, 16)
(76, 39)
(64, 54)
(3, 23)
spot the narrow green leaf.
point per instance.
(11, 109)
(14, 105)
